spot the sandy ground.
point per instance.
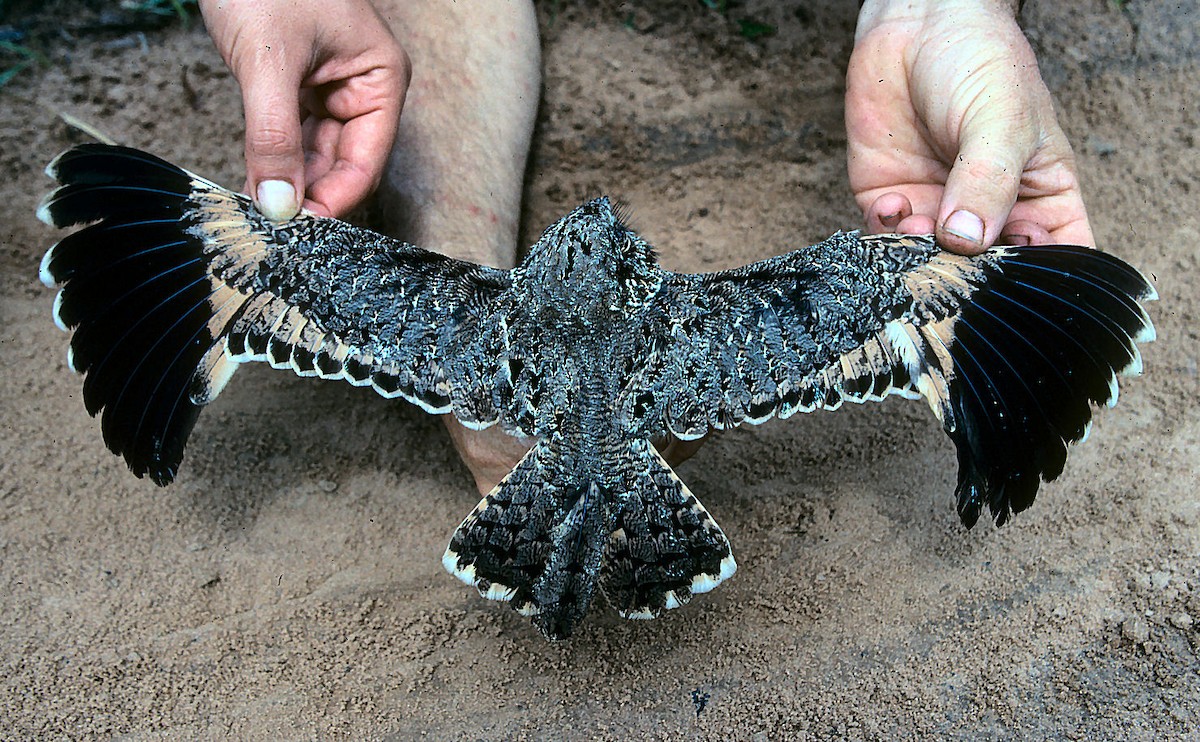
(289, 584)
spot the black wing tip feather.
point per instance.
(133, 288)
(1040, 342)
(88, 171)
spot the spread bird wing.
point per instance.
(175, 281)
(1010, 348)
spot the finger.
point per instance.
(887, 211)
(320, 147)
(1051, 199)
(274, 145)
(916, 224)
(370, 110)
(983, 181)
(1074, 232)
(1024, 232)
(344, 185)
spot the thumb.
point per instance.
(984, 181)
(274, 144)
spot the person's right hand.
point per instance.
(952, 130)
(323, 82)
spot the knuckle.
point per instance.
(270, 139)
(393, 63)
(992, 169)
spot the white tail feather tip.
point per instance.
(703, 583)
(47, 278)
(57, 313)
(466, 574)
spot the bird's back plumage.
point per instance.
(590, 348)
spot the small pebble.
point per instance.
(1135, 630)
(327, 486)
(1098, 146)
(1181, 620)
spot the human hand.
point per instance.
(952, 131)
(323, 82)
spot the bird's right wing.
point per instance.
(175, 281)
(1009, 348)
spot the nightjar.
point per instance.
(589, 348)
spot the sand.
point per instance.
(289, 585)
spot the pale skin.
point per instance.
(950, 128)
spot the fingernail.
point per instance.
(277, 200)
(890, 220)
(1016, 240)
(965, 225)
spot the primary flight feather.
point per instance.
(589, 348)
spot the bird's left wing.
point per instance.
(1009, 348)
(175, 281)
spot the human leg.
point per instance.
(454, 180)
(453, 183)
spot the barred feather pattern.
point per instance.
(589, 348)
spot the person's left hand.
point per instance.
(952, 131)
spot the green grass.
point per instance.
(16, 58)
(178, 8)
(749, 28)
(752, 29)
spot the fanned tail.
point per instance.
(1041, 334)
(137, 291)
(664, 547)
(537, 540)
(545, 537)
